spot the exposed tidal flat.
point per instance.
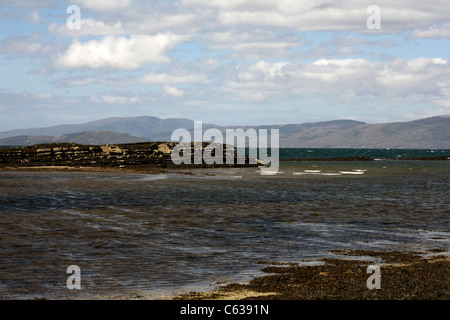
(217, 231)
(403, 276)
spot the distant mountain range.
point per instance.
(426, 133)
(136, 126)
(85, 137)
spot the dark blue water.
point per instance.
(302, 153)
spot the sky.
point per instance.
(227, 62)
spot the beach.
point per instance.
(404, 276)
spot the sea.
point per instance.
(153, 236)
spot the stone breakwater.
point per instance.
(153, 154)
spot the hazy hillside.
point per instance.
(87, 137)
(136, 126)
(426, 133)
(289, 131)
(422, 134)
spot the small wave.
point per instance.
(101, 178)
(313, 171)
(271, 172)
(152, 177)
(318, 173)
(120, 209)
(73, 212)
(351, 172)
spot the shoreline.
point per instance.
(156, 168)
(182, 169)
(148, 170)
(404, 276)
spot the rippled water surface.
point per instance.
(153, 235)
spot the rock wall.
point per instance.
(71, 154)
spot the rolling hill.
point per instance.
(425, 133)
(86, 138)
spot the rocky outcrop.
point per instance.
(70, 154)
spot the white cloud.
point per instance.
(432, 32)
(170, 79)
(327, 19)
(325, 15)
(305, 15)
(27, 99)
(343, 79)
(25, 46)
(156, 79)
(256, 41)
(29, 3)
(114, 99)
(104, 5)
(150, 22)
(35, 17)
(124, 53)
(173, 91)
(44, 96)
(88, 27)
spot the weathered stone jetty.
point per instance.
(153, 154)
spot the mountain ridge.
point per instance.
(135, 126)
(84, 138)
(432, 132)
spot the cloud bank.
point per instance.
(237, 60)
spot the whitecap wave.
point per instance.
(152, 177)
(351, 172)
(317, 173)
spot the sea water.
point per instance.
(157, 235)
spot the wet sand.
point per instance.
(404, 276)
